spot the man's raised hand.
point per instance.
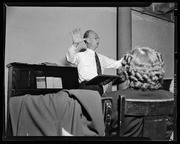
(76, 36)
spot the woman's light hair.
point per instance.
(143, 68)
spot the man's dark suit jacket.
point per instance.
(134, 125)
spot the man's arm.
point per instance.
(71, 55)
(110, 63)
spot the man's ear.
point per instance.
(85, 41)
(88, 40)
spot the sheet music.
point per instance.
(41, 82)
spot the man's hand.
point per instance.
(76, 36)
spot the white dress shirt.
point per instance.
(86, 63)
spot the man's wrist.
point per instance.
(75, 44)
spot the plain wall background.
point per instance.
(155, 33)
(40, 34)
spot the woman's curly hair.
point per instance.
(143, 68)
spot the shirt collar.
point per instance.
(90, 51)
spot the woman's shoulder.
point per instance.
(148, 94)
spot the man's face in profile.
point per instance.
(93, 40)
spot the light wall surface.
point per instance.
(155, 33)
(42, 34)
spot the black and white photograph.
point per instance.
(90, 71)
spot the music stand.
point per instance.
(104, 79)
